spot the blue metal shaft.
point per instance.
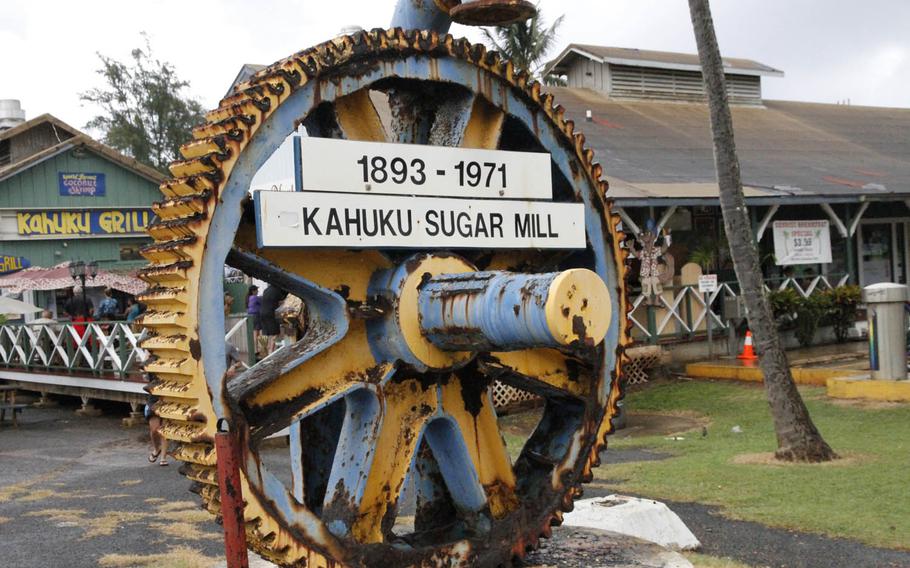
(484, 311)
(420, 15)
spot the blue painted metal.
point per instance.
(486, 311)
(296, 450)
(298, 166)
(356, 450)
(384, 334)
(420, 15)
(456, 466)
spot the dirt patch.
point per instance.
(179, 557)
(130, 482)
(4, 520)
(183, 530)
(767, 458)
(642, 424)
(865, 404)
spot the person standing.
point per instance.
(109, 307)
(253, 309)
(271, 301)
(80, 309)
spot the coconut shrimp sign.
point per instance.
(802, 242)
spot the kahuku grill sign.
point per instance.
(367, 208)
(81, 184)
(10, 264)
(92, 222)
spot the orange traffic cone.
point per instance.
(748, 353)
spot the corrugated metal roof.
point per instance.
(786, 148)
(658, 59)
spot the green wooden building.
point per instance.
(66, 197)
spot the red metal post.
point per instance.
(227, 449)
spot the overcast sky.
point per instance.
(830, 50)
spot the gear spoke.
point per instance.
(358, 118)
(549, 373)
(295, 381)
(380, 438)
(472, 408)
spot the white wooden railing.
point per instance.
(685, 309)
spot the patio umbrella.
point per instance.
(12, 306)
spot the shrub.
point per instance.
(842, 311)
(809, 314)
(784, 302)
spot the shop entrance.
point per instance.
(883, 251)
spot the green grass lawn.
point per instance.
(867, 497)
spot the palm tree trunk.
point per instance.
(797, 437)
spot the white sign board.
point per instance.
(303, 219)
(802, 242)
(707, 283)
(410, 169)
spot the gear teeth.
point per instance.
(179, 410)
(184, 432)
(199, 148)
(175, 229)
(166, 343)
(246, 107)
(202, 474)
(171, 367)
(163, 274)
(187, 186)
(181, 207)
(237, 128)
(167, 252)
(172, 388)
(196, 453)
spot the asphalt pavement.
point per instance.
(79, 492)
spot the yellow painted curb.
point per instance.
(802, 376)
(894, 391)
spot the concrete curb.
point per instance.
(868, 389)
(816, 376)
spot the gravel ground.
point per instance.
(75, 490)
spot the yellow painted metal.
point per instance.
(578, 307)
(485, 445)
(408, 317)
(406, 408)
(328, 373)
(549, 366)
(484, 126)
(358, 118)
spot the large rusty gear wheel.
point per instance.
(205, 221)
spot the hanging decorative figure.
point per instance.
(651, 249)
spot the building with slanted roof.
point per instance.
(67, 197)
(842, 168)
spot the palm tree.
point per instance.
(797, 437)
(525, 43)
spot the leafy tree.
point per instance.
(145, 114)
(797, 437)
(526, 43)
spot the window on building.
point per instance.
(4, 152)
(130, 252)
